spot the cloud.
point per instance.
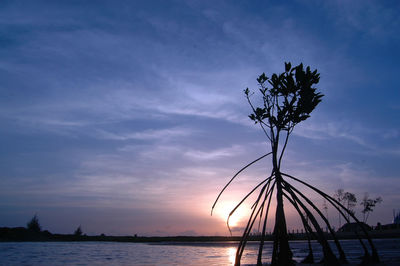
(215, 154)
(325, 130)
(237, 229)
(369, 140)
(188, 233)
(377, 19)
(151, 134)
(391, 134)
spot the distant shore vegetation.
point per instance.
(34, 232)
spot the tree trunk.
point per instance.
(281, 255)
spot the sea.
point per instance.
(171, 253)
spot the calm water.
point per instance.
(112, 253)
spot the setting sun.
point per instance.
(225, 208)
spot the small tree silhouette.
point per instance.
(369, 205)
(78, 231)
(34, 225)
(350, 200)
(288, 99)
(325, 208)
(339, 196)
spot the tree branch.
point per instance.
(230, 181)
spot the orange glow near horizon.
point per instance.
(224, 208)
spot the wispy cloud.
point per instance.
(215, 154)
(368, 138)
(377, 19)
(151, 134)
(326, 130)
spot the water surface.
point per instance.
(215, 253)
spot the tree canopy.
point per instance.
(288, 100)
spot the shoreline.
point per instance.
(21, 234)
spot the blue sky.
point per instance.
(129, 117)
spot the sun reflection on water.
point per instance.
(232, 255)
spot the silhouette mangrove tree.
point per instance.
(288, 99)
(369, 205)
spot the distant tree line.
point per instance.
(349, 200)
(34, 226)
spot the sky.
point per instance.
(128, 117)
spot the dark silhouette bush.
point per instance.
(34, 225)
(78, 231)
